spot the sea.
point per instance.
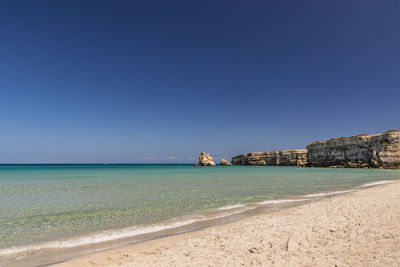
(50, 213)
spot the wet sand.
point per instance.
(361, 228)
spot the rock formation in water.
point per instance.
(224, 162)
(280, 158)
(362, 151)
(205, 160)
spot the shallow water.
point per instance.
(40, 203)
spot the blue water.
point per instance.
(49, 202)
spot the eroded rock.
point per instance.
(361, 151)
(224, 162)
(205, 160)
(277, 158)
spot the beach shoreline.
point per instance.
(357, 228)
(86, 209)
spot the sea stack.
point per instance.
(205, 160)
(224, 162)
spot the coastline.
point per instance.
(351, 228)
(361, 151)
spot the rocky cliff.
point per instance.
(362, 151)
(279, 158)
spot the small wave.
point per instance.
(279, 201)
(378, 183)
(231, 207)
(95, 238)
(331, 193)
(227, 213)
(110, 235)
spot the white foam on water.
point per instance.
(110, 235)
(103, 236)
(331, 193)
(378, 183)
(350, 190)
(225, 214)
(231, 207)
(279, 201)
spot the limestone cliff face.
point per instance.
(362, 151)
(280, 158)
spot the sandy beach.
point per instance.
(356, 229)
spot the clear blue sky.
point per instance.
(161, 81)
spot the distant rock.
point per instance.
(361, 151)
(276, 158)
(205, 160)
(224, 162)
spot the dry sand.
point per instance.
(356, 229)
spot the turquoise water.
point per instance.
(48, 202)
